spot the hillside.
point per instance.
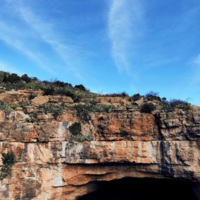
(59, 142)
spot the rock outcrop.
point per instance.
(55, 162)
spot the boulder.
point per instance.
(40, 100)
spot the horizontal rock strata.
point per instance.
(123, 143)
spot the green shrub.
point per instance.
(21, 104)
(66, 92)
(93, 107)
(80, 138)
(75, 95)
(59, 83)
(25, 103)
(76, 135)
(122, 94)
(77, 98)
(32, 119)
(56, 110)
(16, 86)
(88, 107)
(147, 108)
(83, 110)
(49, 90)
(80, 87)
(175, 104)
(34, 85)
(8, 160)
(26, 78)
(75, 129)
(12, 78)
(164, 99)
(1, 76)
(152, 96)
(5, 106)
(136, 97)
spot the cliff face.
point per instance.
(57, 162)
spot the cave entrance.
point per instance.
(142, 189)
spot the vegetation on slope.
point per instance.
(10, 81)
(8, 160)
(13, 81)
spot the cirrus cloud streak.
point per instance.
(124, 21)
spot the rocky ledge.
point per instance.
(63, 149)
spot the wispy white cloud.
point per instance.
(123, 26)
(196, 70)
(13, 37)
(44, 31)
(196, 60)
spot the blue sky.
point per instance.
(109, 46)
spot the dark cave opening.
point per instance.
(142, 189)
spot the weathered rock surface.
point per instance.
(124, 143)
(14, 97)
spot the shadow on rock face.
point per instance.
(142, 189)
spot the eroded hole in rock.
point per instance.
(142, 189)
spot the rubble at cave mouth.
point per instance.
(142, 189)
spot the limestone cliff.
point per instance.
(62, 155)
